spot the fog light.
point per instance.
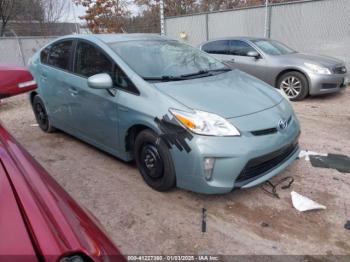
(208, 167)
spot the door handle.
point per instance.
(73, 91)
(43, 77)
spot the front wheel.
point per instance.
(294, 85)
(154, 161)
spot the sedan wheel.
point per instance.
(294, 85)
(291, 86)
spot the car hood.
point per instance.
(229, 95)
(326, 61)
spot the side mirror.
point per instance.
(100, 81)
(254, 54)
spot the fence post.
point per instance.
(21, 51)
(207, 26)
(268, 9)
(161, 10)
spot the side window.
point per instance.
(217, 47)
(90, 61)
(44, 55)
(59, 55)
(240, 48)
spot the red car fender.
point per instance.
(58, 226)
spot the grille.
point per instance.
(264, 132)
(329, 86)
(258, 166)
(268, 131)
(340, 70)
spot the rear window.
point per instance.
(59, 55)
(44, 55)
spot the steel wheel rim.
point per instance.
(151, 161)
(41, 114)
(291, 86)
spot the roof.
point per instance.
(244, 38)
(112, 38)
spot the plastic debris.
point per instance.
(34, 125)
(334, 161)
(302, 203)
(306, 154)
(347, 225)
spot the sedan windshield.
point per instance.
(166, 60)
(273, 47)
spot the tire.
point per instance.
(41, 115)
(294, 84)
(154, 161)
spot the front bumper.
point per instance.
(324, 84)
(232, 155)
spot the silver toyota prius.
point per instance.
(297, 74)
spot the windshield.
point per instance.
(273, 47)
(152, 59)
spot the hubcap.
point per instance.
(151, 162)
(291, 86)
(42, 117)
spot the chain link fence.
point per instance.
(318, 26)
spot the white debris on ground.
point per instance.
(302, 203)
(305, 154)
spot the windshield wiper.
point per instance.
(203, 73)
(164, 78)
(207, 72)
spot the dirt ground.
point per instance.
(143, 221)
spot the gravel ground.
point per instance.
(143, 221)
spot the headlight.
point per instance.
(318, 69)
(204, 123)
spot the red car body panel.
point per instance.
(11, 79)
(37, 216)
(12, 229)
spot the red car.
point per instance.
(39, 221)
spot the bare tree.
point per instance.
(7, 11)
(55, 10)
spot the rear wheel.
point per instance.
(294, 85)
(154, 161)
(41, 115)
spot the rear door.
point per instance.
(54, 83)
(220, 49)
(239, 51)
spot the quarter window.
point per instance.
(59, 55)
(240, 48)
(217, 47)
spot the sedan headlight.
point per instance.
(318, 69)
(204, 123)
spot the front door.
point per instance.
(95, 110)
(251, 65)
